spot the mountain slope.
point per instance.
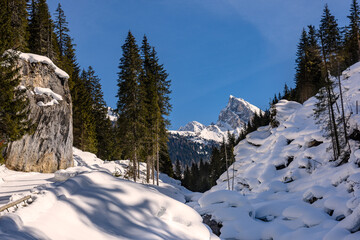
(285, 186)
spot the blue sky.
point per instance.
(210, 48)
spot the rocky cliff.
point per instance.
(50, 147)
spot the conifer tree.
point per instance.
(177, 172)
(308, 66)
(14, 110)
(154, 86)
(130, 122)
(83, 120)
(103, 126)
(13, 29)
(352, 35)
(331, 42)
(42, 39)
(61, 29)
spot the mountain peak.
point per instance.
(193, 126)
(236, 114)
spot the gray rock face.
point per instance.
(236, 114)
(50, 147)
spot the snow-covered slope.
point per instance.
(285, 186)
(88, 202)
(232, 118)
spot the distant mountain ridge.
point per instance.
(195, 141)
(232, 118)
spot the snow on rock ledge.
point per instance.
(34, 58)
(50, 147)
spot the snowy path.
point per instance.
(90, 203)
(12, 182)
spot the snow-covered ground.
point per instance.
(88, 202)
(285, 186)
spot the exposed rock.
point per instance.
(50, 147)
(215, 226)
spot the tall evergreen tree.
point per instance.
(308, 66)
(331, 42)
(130, 122)
(14, 17)
(352, 35)
(61, 29)
(14, 110)
(177, 172)
(42, 39)
(83, 119)
(156, 104)
(103, 126)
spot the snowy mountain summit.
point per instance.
(236, 115)
(232, 118)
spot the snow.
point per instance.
(88, 202)
(111, 114)
(286, 187)
(232, 118)
(47, 91)
(34, 58)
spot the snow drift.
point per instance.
(93, 204)
(286, 187)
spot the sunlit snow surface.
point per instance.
(285, 187)
(88, 202)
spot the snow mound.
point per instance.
(88, 202)
(100, 206)
(286, 187)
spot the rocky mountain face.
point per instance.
(197, 136)
(236, 115)
(232, 118)
(50, 147)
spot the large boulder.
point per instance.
(50, 147)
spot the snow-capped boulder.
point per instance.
(50, 147)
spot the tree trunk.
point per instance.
(227, 166)
(134, 164)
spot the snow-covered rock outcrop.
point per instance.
(50, 147)
(285, 185)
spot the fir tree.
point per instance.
(308, 66)
(130, 122)
(331, 42)
(83, 119)
(352, 38)
(42, 39)
(61, 29)
(177, 172)
(103, 126)
(154, 86)
(14, 110)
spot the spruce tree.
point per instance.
(14, 110)
(308, 66)
(103, 126)
(177, 172)
(42, 39)
(331, 42)
(61, 29)
(130, 122)
(83, 120)
(155, 90)
(352, 36)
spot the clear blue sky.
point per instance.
(210, 48)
